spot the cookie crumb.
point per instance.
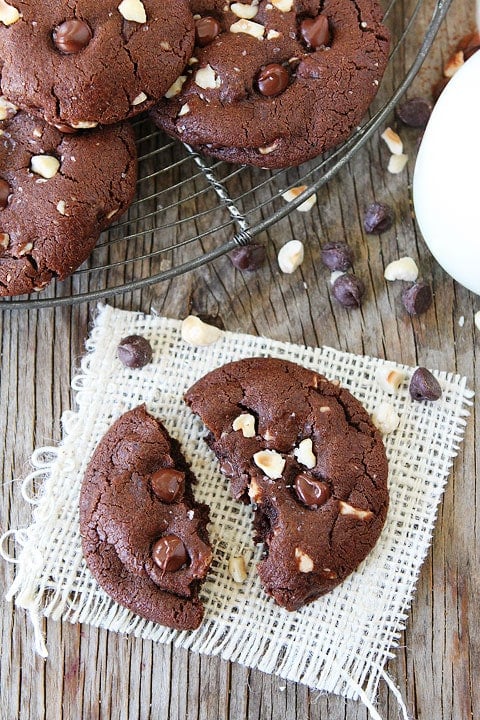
(237, 568)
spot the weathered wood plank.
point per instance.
(93, 674)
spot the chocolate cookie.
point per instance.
(57, 193)
(84, 63)
(304, 452)
(276, 82)
(144, 537)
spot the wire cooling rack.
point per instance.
(190, 210)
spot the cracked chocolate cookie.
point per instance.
(276, 82)
(82, 63)
(304, 452)
(144, 537)
(57, 193)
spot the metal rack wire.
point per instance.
(190, 210)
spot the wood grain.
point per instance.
(94, 674)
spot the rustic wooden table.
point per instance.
(97, 674)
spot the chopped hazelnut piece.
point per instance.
(393, 141)
(349, 510)
(247, 12)
(7, 109)
(176, 87)
(24, 249)
(273, 35)
(270, 462)
(254, 492)
(397, 163)
(8, 14)
(141, 97)
(403, 269)
(249, 28)
(246, 423)
(304, 454)
(45, 165)
(133, 10)
(237, 568)
(389, 378)
(294, 192)
(267, 149)
(196, 332)
(385, 418)
(207, 79)
(84, 124)
(290, 256)
(283, 5)
(305, 562)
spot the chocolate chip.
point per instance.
(168, 484)
(316, 31)
(206, 30)
(349, 290)
(417, 298)
(248, 257)
(72, 36)
(378, 218)
(134, 351)
(5, 192)
(310, 491)
(272, 80)
(337, 256)
(424, 386)
(414, 112)
(169, 553)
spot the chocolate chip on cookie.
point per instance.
(72, 36)
(305, 453)
(144, 537)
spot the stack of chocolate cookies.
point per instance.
(271, 83)
(72, 74)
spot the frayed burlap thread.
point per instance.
(338, 644)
